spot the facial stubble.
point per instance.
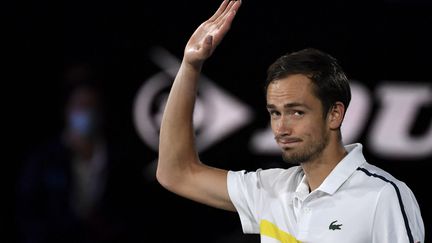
(307, 152)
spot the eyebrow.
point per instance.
(289, 105)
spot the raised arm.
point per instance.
(179, 168)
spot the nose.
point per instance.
(282, 126)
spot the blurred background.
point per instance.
(85, 83)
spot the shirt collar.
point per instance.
(302, 190)
(343, 169)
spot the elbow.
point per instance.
(162, 178)
(167, 177)
(173, 176)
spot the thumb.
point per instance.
(208, 43)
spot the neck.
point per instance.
(318, 169)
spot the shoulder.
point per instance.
(380, 180)
(395, 204)
(269, 179)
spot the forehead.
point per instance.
(294, 88)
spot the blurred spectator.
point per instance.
(79, 187)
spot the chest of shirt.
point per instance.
(321, 217)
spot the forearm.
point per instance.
(179, 169)
(177, 146)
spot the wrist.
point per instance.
(193, 66)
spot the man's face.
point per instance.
(297, 119)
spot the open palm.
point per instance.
(210, 33)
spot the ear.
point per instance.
(336, 115)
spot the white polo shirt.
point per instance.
(357, 202)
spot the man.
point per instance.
(334, 195)
(72, 189)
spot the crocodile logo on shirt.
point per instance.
(334, 226)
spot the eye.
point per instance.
(297, 113)
(274, 113)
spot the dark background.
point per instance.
(374, 41)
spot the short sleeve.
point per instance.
(244, 193)
(397, 216)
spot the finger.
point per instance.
(228, 18)
(220, 10)
(226, 25)
(235, 6)
(225, 12)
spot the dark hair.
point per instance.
(330, 82)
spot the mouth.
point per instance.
(286, 143)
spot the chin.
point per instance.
(290, 159)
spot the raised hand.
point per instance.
(179, 167)
(210, 33)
